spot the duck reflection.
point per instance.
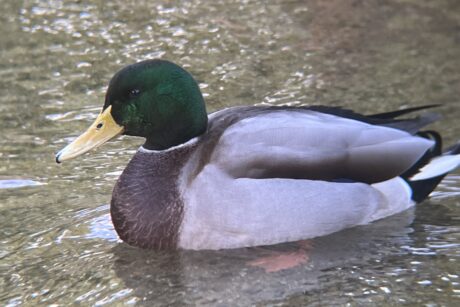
(229, 276)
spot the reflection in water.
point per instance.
(17, 183)
(57, 244)
(220, 277)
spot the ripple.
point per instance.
(58, 243)
(101, 227)
(18, 183)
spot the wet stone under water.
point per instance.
(58, 245)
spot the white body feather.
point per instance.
(437, 167)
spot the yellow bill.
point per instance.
(103, 129)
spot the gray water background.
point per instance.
(57, 244)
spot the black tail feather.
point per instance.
(393, 114)
(422, 188)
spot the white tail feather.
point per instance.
(438, 166)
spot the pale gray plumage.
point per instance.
(311, 145)
(270, 178)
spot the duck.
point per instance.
(254, 175)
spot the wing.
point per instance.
(306, 144)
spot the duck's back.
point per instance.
(252, 142)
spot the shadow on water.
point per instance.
(225, 277)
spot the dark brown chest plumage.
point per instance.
(146, 206)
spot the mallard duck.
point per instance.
(254, 175)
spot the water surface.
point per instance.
(57, 242)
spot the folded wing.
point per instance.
(306, 144)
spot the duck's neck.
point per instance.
(147, 208)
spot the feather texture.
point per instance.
(313, 145)
(274, 177)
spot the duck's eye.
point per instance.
(134, 92)
(99, 126)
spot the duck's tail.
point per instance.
(429, 171)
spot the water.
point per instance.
(57, 242)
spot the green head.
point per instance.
(158, 100)
(154, 99)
